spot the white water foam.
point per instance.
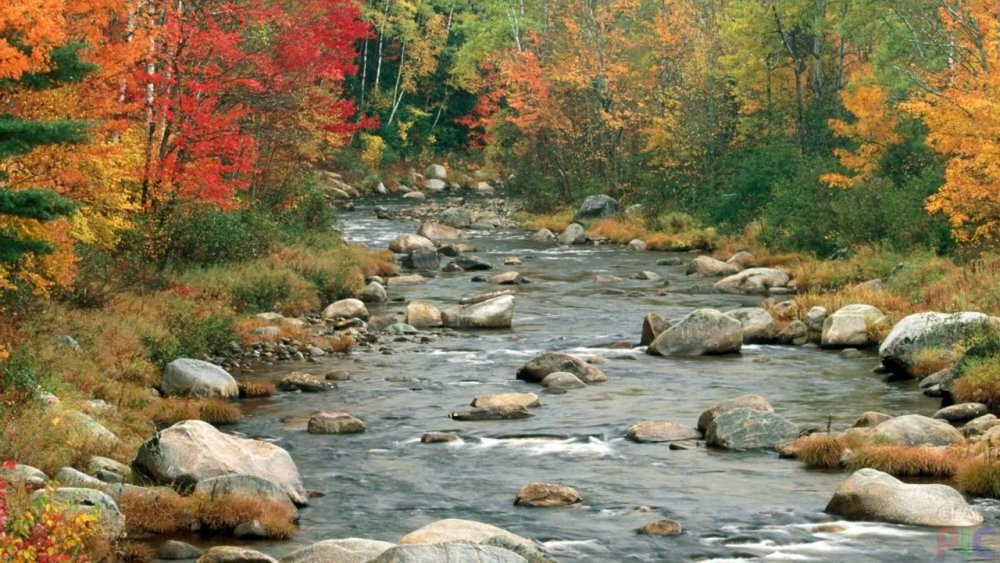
(593, 447)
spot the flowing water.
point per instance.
(733, 505)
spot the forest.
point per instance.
(171, 170)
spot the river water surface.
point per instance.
(385, 483)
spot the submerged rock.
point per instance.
(544, 495)
(173, 550)
(872, 495)
(562, 380)
(492, 413)
(661, 528)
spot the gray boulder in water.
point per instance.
(536, 370)
(869, 494)
(349, 550)
(928, 330)
(749, 429)
(702, 332)
(493, 313)
(449, 552)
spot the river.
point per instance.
(384, 483)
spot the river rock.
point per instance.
(374, 292)
(754, 281)
(544, 235)
(796, 333)
(435, 186)
(191, 451)
(851, 326)
(186, 377)
(507, 278)
(229, 554)
(335, 423)
(757, 325)
(436, 172)
(173, 550)
(457, 217)
(69, 477)
(646, 275)
(607, 278)
(871, 419)
(562, 380)
(927, 330)
(980, 425)
(869, 494)
(709, 267)
(486, 296)
(702, 332)
(404, 244)
(574, 234)
(659, 431)
(304, 382)
(437, 232)
(597, 207)
(403, 281)
(637, 245)
(653, 325)
(749, 429)
(243, 485)
(448, 552)
(472, 264)
(439, 438)
(507, 400)
(743, 259)
(75, 501)
(415, 195)
(422, 314)
(346, 309)
(350, 550)
(917, 430)
(661, 528)
(493, 313)
(962, 412)
(422, 259)
(535, 370)
(755, 402)
(493, 413)
(543, 495)
(815, 317)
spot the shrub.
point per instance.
(135, 551)
(256, 389)
(43, 531)
(171, 410)
(19, 375)
(905, 461)
(262, 294)
(979, 382)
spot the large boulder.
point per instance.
(437, 232)
(851, 327)
(457, 217)
(597, 207)
(917, 430)
(758, 326)
(422, 314)
(574, 234)
(186, 377)
(346, 309)
(192, 451)
(709, 267)
(422, 259)
(749, 429)
(755, 281)
(869, 494)
(243, 486)
(404, 244)
(449, 552)
(928, 330)
(753, 402)
(660, 431)
(493, 313)
(72, 502)
(349, 550)
(702, 332)
(552, 362)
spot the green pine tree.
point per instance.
(19, 136)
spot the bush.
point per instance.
(20, 375)
(979, 477)
(978, 382)
(262, 294)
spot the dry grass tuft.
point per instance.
(820, 451)
(906, 461)
(135, 551)
(222, 514)
(218, 412)
(555, 222)
(979, 477)
(342, 344)
(979, 383)
(165, 512)
(256, 389)
(932, 360)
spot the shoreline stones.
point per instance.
(851, 327)
(708, 267)
(916, 332)
(186, 377)
(754, 281)
(545, 495)
(869, 494)
(346, 309)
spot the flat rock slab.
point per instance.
(507, 400)
(660, 431)
(498, 413)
